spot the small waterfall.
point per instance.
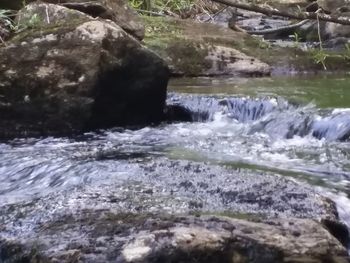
(241, 109)
(334, 128)
(201, 108)
(273, 116)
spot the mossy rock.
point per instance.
(197, 49)
(178, 42)
(55, 74)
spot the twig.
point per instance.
(216, 14)
(47, 15)
(279, 29)
(319, 29)
(2, 41)
(205, 11)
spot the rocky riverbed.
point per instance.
(140, 214)
(149, 194)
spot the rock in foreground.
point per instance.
(70, 72)
(140, 213)
(105, 237)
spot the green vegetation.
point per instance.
(7, 21)
(326, 58)
(5, 18)
(175, 6)
(33, 22)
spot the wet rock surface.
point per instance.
(70, 72)
(100, 236)
(174, 186)
(118, 198)
(142, 216)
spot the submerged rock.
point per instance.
(69, 72)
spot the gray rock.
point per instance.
(106, 237)
(136, 215)
(329, 30)
(201, 49)
(68, 72)
(115, 10)
(334, 30)
(332, 5)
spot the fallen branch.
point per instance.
(273, 11)
(280, 29)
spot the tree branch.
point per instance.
(273, 11)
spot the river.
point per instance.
(296, 128)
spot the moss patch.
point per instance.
(45, 29)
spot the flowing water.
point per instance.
(291, 127)
(297, 127)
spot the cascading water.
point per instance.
(256, 137)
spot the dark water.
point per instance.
(298, 128)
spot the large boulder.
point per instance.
(115, 10)
(106, 237)
(69, 72)
(137, 210)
